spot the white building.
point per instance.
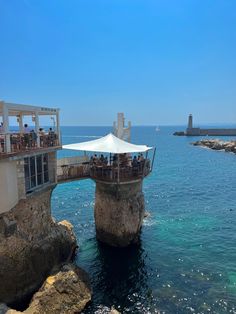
(27, 158)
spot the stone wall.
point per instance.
(210, 132)
(31, 244)
(119, 212)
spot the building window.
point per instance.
(36, 171)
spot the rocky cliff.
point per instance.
(31, 245)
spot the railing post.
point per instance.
(6, 128)
(118, 169)
(153, 157)
(20, 117)
(37, 128)
(144, 165)
(58, 128)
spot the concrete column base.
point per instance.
(119, 212)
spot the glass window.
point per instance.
(27, 174)
(32, 172)
(45, 167)
(36, 171)
(39, 169)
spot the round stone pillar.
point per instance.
(119, 212)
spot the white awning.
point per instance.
(108, 144)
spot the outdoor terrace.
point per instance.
(27, 139)
(78, 168)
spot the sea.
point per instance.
(185, 261)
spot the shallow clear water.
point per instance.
(186, 259)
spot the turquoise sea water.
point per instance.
(186, 259)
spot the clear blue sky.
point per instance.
(155, 60)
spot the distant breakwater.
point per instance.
(215, 144)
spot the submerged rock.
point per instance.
(106, 310)
(114, 311)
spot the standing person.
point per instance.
(33, 138)
(51, 131)
(1, 128)
(51, 137)
(26, 128)
(26, 137)
(41, 131)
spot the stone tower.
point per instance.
(190, 121)
(119, 128)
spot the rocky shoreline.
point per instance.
(66, 292)
(215, 144)
(32, 247)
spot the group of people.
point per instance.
(98, 161)
(123, 166)
(125, 160)
(138, 161)
(46, 138)
(29, 137)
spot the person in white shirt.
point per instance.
(26, 128)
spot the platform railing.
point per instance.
(73, 171)
(107, 173)
(21, 142)
(121, 174)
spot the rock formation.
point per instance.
(215, 144)
(119, 212)
(31, 245)
(66, 292)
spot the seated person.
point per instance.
(106, 161)
(135, 162)
(95, 159)
(115, 159)
(102, 158)
(91, 160)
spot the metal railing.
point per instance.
(121, 174)
(28, 141)
(73, 171)
(103, 172)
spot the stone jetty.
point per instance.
(196, 131)
(215, 144)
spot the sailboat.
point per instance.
(157, 129)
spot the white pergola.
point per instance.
(19, 110)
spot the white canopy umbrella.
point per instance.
(108, 144)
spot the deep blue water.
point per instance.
(186, 259)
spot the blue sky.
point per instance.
(155, 60)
